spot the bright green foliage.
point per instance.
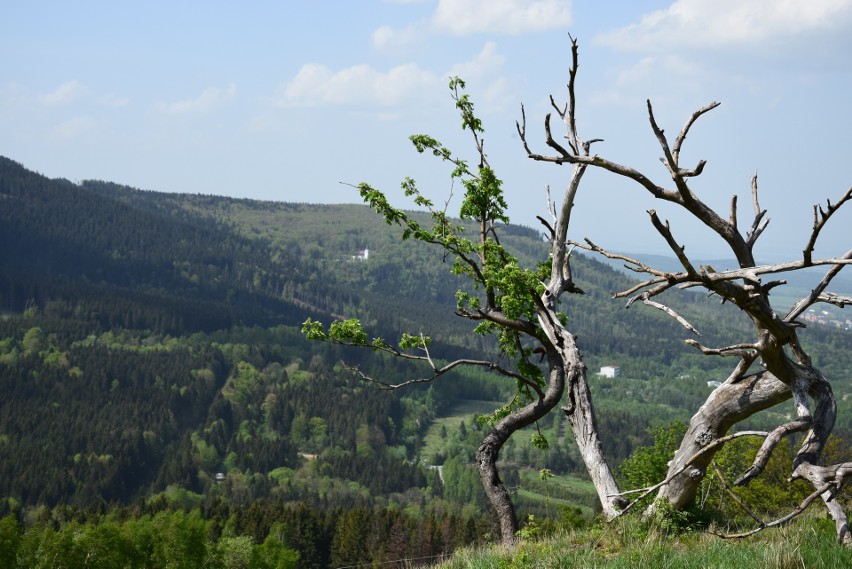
(351, 333)
(272, 553)
(10, 540)
(540, 441)
(248, 382)
(409, 341)
(348, 331)
(168, 539)
(33, 341)
(497, 280)
(313, 330)
(648, 465)
(769, 495)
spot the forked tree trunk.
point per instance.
(729, 404)
(734, 401)
(489, 451)
(565, 357)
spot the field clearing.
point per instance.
(568, 489)
(461, 411)
(561, 489)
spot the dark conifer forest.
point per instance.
(154, 382)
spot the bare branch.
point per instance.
(769, 445)
(820, 221)
(754, 197)
(551, 232)
(739, 350)
(759, 224)
(561, 111)
(521, 127)
(835, 299)
(551, 142)
(678, 250)
(634, 265)
(780, 521)
(820, 474)
(733, 208)
(685, 130)
(437, 372)
(734, 497)
(572, 76)
(818, 294)
(551, 206)
(710, 275)
(669, 160)
(683, 322)
(742, 367)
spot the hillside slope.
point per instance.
(150, 341)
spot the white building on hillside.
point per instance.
(610, 371)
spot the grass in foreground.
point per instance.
(628, 543)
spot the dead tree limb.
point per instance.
(787, 374)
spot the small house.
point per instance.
(362, 255)
(610, 371)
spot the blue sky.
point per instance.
(285, 100)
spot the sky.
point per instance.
(296, 101)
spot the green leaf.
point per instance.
(348, 331)
(313, 330)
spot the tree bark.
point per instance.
(489, 452)
(730, 403)
(565, 358)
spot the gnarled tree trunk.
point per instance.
(489, 450)
(786, 375)
(565, 357)
(730, 403)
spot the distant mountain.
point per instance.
(179, 263)
(150, 341)
(799, 283)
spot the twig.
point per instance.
(683, 322)
(733, 496)
(780, 521)
(821, 216)
(710, 446)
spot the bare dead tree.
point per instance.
(784, 375)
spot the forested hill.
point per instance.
(66, 247)
(177, 264)
(150, 357)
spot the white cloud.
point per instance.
(72, 128)
(720, 23)
(209, 100)
(513, 17)
(486, 61)
(113, 100)
(483, 70)
(64, 94)
(317, 85)
(12, 94)
(470, 17)
(635, 83)
(389, 40)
